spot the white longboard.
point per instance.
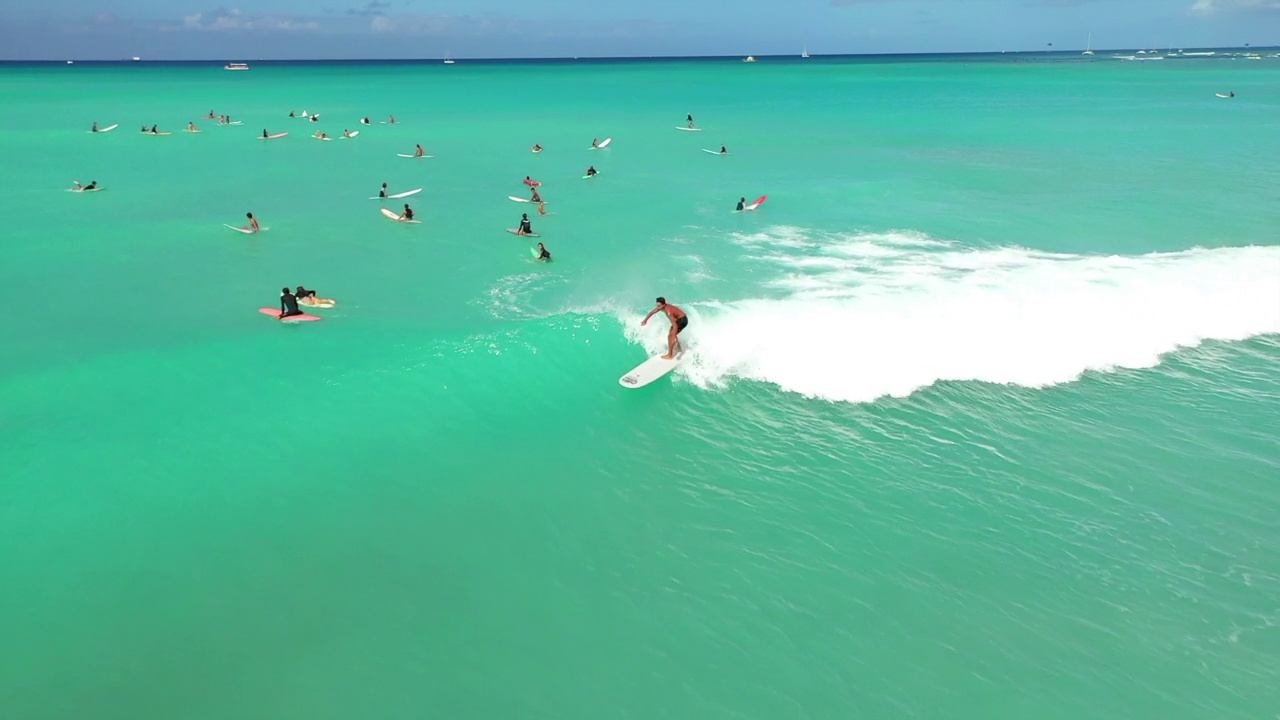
(246, 231)
(649, 370)
(689, 129)
(397, 196)
(414, 156)
(516, 231)
(108, 128)
(344, 137)
(393, 216)
(518, 199)
(603, 144)
(715, 152)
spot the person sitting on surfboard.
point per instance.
(365, 121)
(407, 214)
(537, 147)
(679, 321)
(591, 171)
(595, 142)
(191, 127)
(144, 128)
(253, 222)
(543, 253)
(418, 151)
(536, 196)
(288, 304)
(526, 227)
(383, 192)
(154, 131)
(346, 132)
(724, 150)
(95, 127)
(265, 135)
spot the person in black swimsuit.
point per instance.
(408, 213)
(742, 202)
(526, 227)
(383, 192)
(288, 304)
(679, 321)
(302, 292)
(543, 253)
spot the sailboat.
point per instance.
(448, 58)
(1088, 47)
(805, 53)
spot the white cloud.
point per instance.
(1209, 7)
(222, 20)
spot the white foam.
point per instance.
(864, 316)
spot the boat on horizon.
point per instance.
(804, 53)
(1088, 46)
(749, 58)
(236, 66)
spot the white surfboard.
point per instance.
(715, 152)
(414, 156)
(689, 129)
(513, 198)
(313, 137)
(603, 144)
(321, 305)
(351, 135)
(397, 196)
(395, 216)
(649, 370)
(1221, 95)
(246, 231)
(108, 128)
(516, 231)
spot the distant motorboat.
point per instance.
(749, 58)
(236, 66)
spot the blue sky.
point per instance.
(343, 29)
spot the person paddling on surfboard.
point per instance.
(679, 321)
(526, 227)
(253, 222)
(407, 214)
(288, 304)
(537, 147)
(543, 253)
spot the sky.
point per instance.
(386, 29)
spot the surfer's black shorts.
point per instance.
(682, 323)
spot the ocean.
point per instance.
(977, 419)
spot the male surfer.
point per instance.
(288, 304)
(265, 135)
(689, 117)
(391, 120)
(418, 151)
(591, 171)
(407, 214)
(253, 222)
(95, 127)
(526, 227)
(543, 253)
(679, 321)
(724, 150)
(292, 115)
(153, 130)
(383, 192)
(742, 203)
(536, 197)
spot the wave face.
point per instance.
(854, 317)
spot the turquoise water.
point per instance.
(978, 418)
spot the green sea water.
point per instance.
(978, 417)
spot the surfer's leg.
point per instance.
(671, 344)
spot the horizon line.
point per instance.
(580, 58)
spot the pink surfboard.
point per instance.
(275, 313)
